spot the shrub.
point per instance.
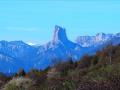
(95, 60)
(21, 72)
(85, 62)
(69, 85)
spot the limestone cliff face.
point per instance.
(59, 35)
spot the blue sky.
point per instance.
(34, 20)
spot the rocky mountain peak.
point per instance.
(59, 34)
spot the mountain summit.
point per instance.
(59, 34)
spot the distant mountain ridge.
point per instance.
(17, 54)
(100, 38)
